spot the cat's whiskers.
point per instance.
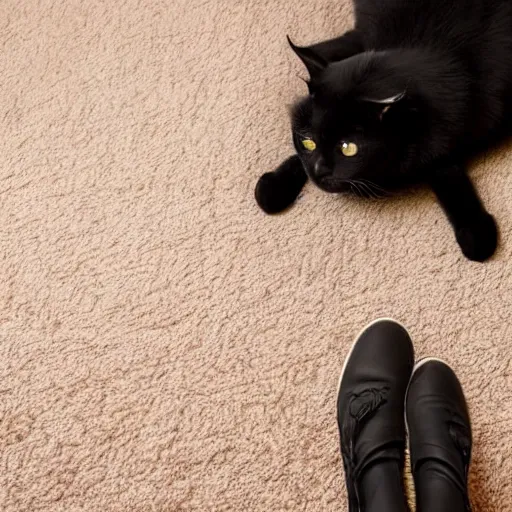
(376, 187)
(369, 191)
(353, 187)
(357, 188)
(378, 191)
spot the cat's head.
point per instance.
(358, 125)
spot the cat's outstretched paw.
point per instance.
(272, 194)
(276, 191)
(479, 239)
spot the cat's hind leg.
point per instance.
(277, 190)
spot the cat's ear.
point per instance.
(385, 100)
(383, 103)
(314, 63)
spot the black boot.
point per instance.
(440, 438)
(371, 417)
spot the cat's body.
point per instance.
(467, 42)
(409, 95)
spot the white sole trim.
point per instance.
(426, 360)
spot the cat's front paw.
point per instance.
(277, 190)
(479, 239)
(271, 195)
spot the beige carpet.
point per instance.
(164, 345)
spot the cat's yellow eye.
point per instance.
(349, 149)
(309, 144)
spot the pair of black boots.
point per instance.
(383, 395)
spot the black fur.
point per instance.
(277, 190)
(421, 87)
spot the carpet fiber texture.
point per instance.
(166, 346)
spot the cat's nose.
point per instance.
(321, 170)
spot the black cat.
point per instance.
(408, 96)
